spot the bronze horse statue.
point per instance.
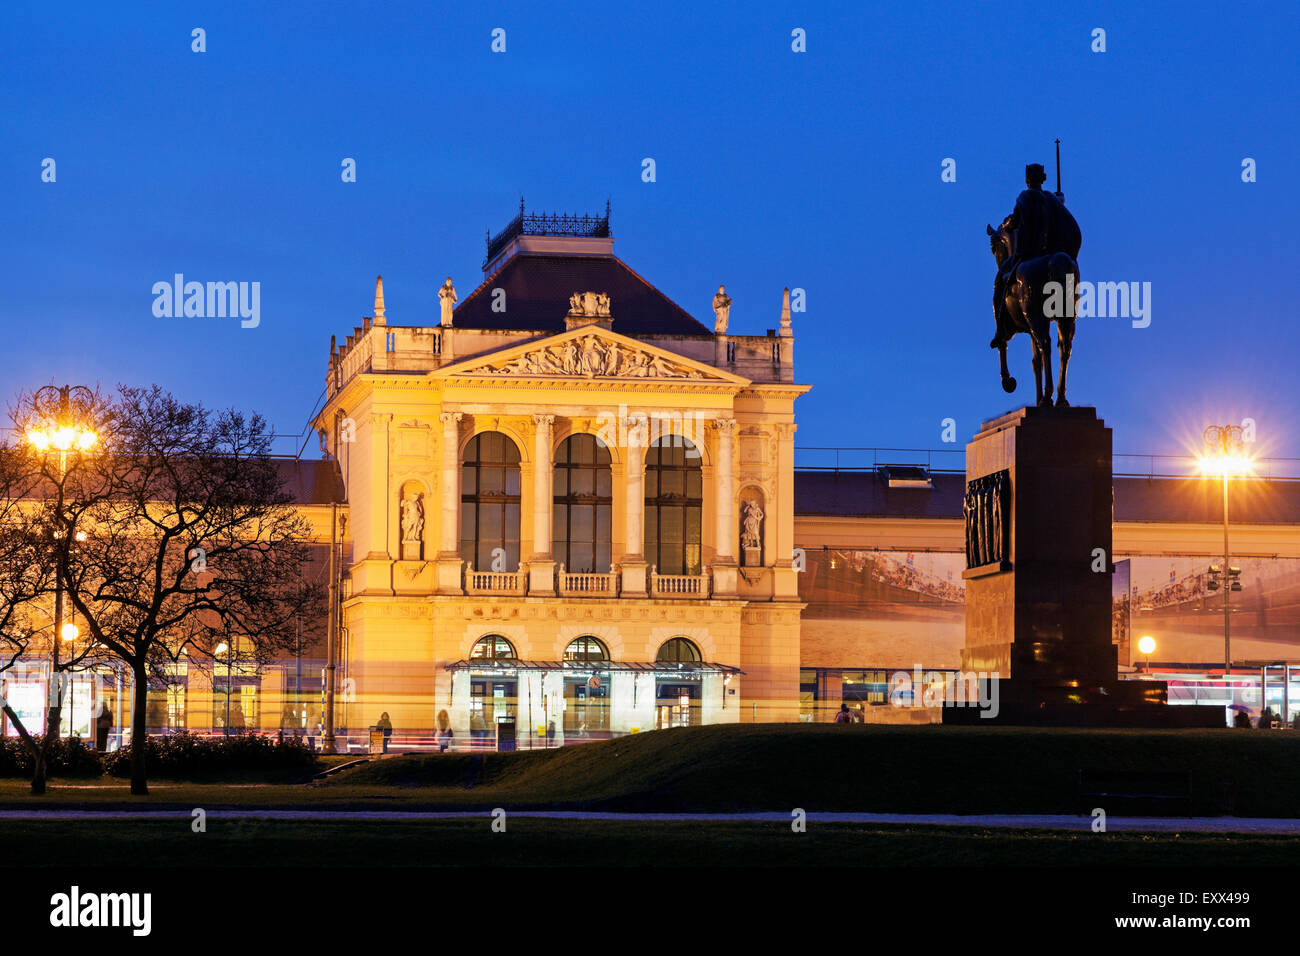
(1023, 309)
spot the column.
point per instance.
(541, 566)
(724, 561)
(634, 563)
(449, 561)
(786, 579)
(374, 457)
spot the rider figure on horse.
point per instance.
(1041, 225)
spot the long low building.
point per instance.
(884, 592)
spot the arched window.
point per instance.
(674, 498)
(494, 647)
(489, 502)
(582, 505)
(678, 650)
(586, 649)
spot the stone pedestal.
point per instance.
(1039, 512)
(541, 576)
(450, 570)
(1038, 580)
(725, 579)
(636, 578)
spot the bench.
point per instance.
(1154, 791)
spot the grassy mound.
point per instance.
(925, 769)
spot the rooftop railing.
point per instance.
(953, 461)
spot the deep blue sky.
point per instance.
(818, 170)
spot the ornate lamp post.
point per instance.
(1225, 455)
(60, 423)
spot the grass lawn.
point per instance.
(923, 769)
(532, 842)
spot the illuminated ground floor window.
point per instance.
(807, 696)
(490, 700)
(236, 705)
(586, 700)
(585, 696)
(166, 708)
(677, 704)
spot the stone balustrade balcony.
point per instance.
(588, 584)
(689, 586)
(502, 583)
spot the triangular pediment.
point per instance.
(589, 352)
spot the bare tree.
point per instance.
(30, 539)
(24, 576)
(178, 536)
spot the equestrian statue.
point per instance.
(1038, 244)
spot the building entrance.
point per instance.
(676, 704)
(490, 700)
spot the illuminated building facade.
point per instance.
(569, 503)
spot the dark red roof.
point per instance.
(538, 287)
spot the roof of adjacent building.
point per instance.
(866, 494)
(311, 482)
(537, 290)
(1188, 500)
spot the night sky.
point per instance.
(817, 170)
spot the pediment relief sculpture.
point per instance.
(591, 357)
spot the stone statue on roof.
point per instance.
(721, 311)
(447, 299)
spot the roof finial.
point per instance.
(785, 312)
(521, 204)
(379, 301)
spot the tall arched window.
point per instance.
(674, 499)
(582, 504)
(494, 647)
(489, 508)
(678, 650)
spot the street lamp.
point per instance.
(60, 423)
(1225, 455)
(1147, 645)
(224, 648)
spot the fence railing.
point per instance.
(817, 458)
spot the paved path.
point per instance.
(1010, 821)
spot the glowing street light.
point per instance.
(1147, 646)
(1226, 456)
(224, 648)
(63, 438)
(61, 416)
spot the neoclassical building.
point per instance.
(569, 502)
